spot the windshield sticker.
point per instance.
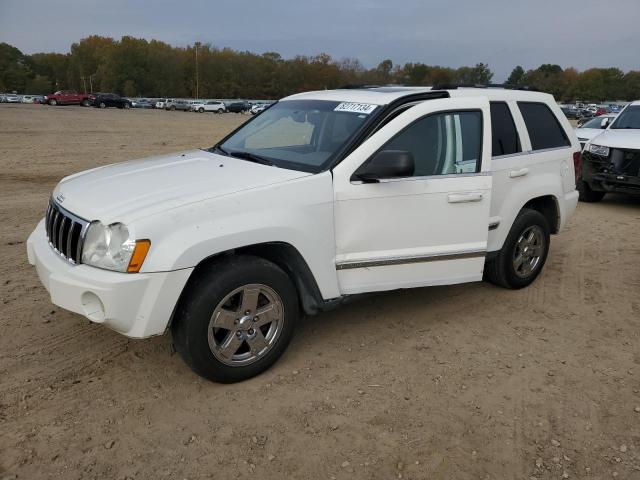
(355, 107)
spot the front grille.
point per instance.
(65, 232)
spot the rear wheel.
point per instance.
(236, 318)
(523, 254)
(86, 103)
(201, 110)
(587, 194)
(127, 106)
(53, 102)
(102, 105)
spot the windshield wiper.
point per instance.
(218, 148)
(252, 157)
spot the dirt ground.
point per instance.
(459, 382)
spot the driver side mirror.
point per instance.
(604, 123)
(386, 164)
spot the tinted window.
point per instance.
(442, 144)
(543, 126)
(504, 136)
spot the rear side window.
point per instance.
(504, 135)
(543, 126)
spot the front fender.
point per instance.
(299, 213)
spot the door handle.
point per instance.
(464, 197)
(518, 173)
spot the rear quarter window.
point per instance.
(504, 135)
(544, 128)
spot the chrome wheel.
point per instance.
(245, 325)
(529, 251)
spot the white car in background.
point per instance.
(259, 107)
(593, 127)
(161, 103)
(208, 106)
(28, 98)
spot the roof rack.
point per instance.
(358, 87)
(506, 86)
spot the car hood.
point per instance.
(619, 138)
(126, 191)
(588, 133)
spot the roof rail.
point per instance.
(506, 86)
(358, 87)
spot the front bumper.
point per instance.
(611, 174)
(137, 305)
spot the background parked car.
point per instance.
(141, 103)
(184, 105)
(208, 106)
(69, 97)
(239, 107)
(593, 127)
(104, 100)
(11, 98)
(570, 111)
(27, 98)
(162, 102)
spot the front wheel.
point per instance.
(86, 103)
(102, 105)
(201, 110)
(587, 194)
(523, 254)
(127, 106)
(53, 102)
(235, 319)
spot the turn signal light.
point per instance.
(139, 254)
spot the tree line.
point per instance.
(151, 68)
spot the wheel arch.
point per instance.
(548, 206)
(285, 256)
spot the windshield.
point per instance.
(629, 118)
(300, 134)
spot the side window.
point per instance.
(504, 135)
(543, 126)
(443, 143)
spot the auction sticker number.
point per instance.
(355, 107)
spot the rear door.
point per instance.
(427, 229)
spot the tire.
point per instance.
(587, 194)
(102, 105)
(502, 269)
(53, 102)
(85, 103)
(172, 108)
(201, 110)
(127, 106)
(201, 344)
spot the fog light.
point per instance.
(93, 307)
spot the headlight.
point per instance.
(599, 150)
(113, 247)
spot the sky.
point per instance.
(452, 33)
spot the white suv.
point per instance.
(324, 195)
(612, 158)
(208, 106)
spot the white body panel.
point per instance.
(196, 204)
(417, 220)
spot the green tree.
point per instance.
(14, 69)
(517, 74)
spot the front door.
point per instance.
(427, 229)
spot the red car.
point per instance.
(69, 97)
(601, 111)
